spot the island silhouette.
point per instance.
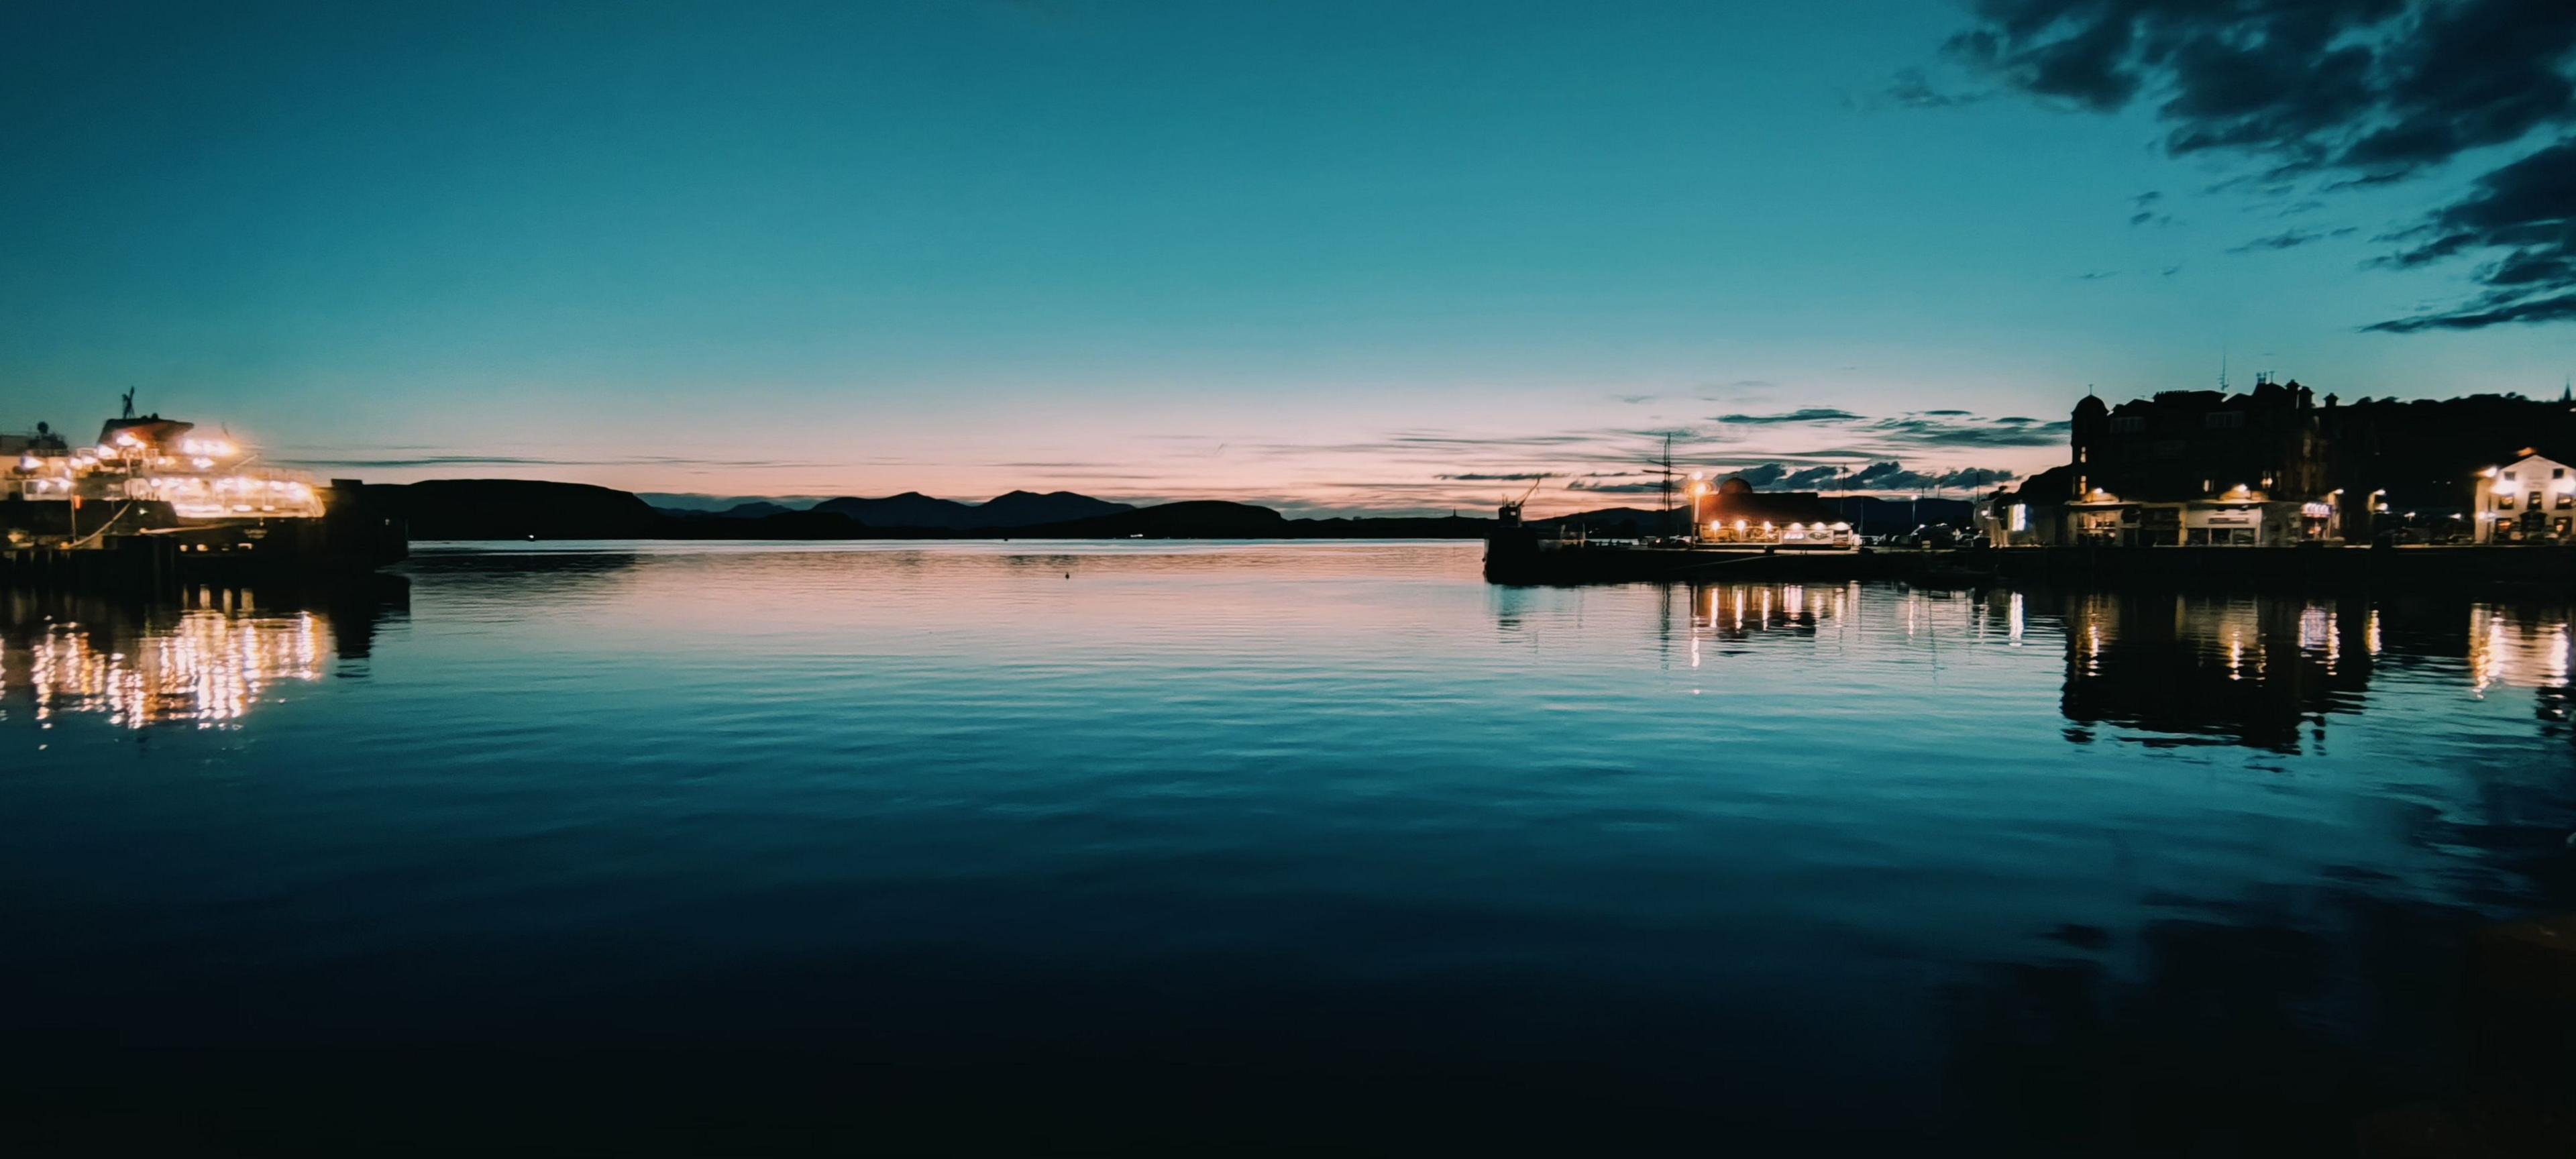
(440, 509)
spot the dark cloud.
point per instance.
(2488, 312)
(2172, 270)
(1890, 476)
(2147, 198)
(2525, 215)
(2096, 275)
(1882, 475)
(1508, 477)
(1948, 429)
(2290, 239)
(2341, 93)
(1811, 414)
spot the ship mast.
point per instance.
(1668, 483)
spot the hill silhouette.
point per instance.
(522, 508)
(1194, 519)
(517, 509)
(1009, 510)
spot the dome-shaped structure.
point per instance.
(1734, 485)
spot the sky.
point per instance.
(1327, 256)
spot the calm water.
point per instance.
(1025, 844)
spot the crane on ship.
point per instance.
(1511, 509)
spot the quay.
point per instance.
(1526, 560)
(2270, 488)
(351, 536)
(1521, 559)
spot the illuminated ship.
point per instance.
(153, 498)
(149, 459)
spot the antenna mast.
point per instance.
(1668, 483)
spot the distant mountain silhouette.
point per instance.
(1012, 510)
(517, 509)
(1028, 509)
(754, 509)
(1613, 521)
(1196, 519)
(910, 509)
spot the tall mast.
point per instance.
(1668, 483)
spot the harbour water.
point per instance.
(1031, 844)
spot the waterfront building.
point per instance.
(1733, 512)
(2033, 514)
(2202, 468)
(2531, 500)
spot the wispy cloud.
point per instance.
(2291, 239)
(1912, 88)
(1811, 414)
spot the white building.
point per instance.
(2532, 500)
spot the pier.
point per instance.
(149, 551)
(1524, 559)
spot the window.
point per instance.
(2504, 500)
(2020, 518)
(2508, 476)
(2223, 420)
(2128, 425)
(2558, 472)
(2566, 499)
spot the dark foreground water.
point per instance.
(1053, 847)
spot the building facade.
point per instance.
(2277, 467)
(2529, 501)
(2201, 468)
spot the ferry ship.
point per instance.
(164, 492)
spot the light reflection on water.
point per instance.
(204, 659)
(1329, 813)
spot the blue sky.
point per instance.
(1316, 254)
